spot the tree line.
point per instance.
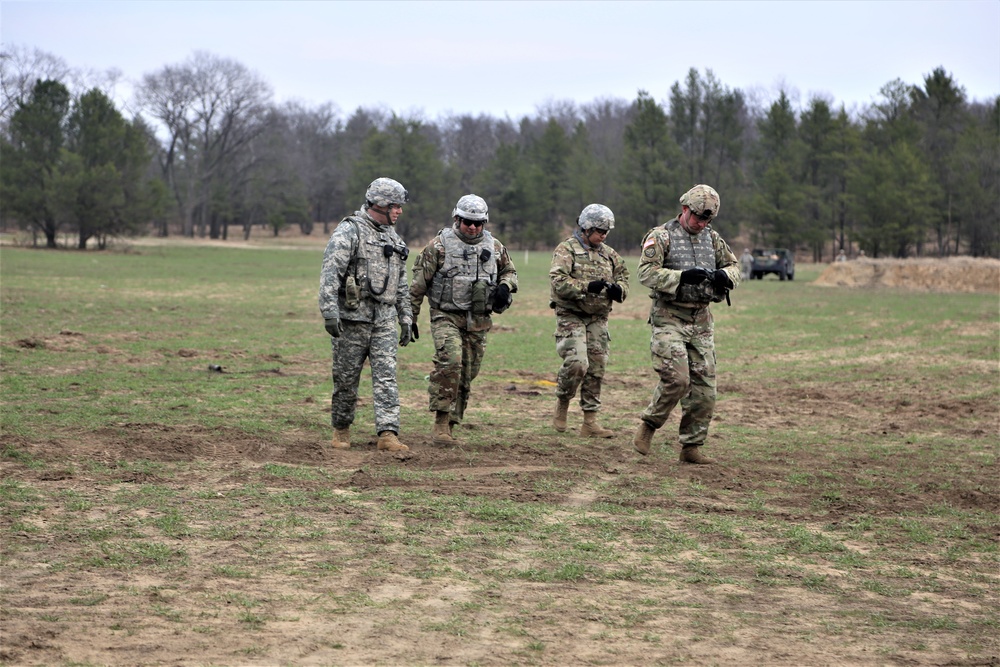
(206, 150)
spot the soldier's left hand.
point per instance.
(721, 280)
(501, 298)
(404, 335)
(615, 292)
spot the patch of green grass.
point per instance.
(232, 572)
(166, 612)
(128, 554)
(89, 598)
(291, 472)
(24, 458)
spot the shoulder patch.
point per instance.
(649, 251)
(649, 241)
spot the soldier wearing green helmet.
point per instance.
(687, 266)
(586, 278)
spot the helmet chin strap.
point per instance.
(383, 212)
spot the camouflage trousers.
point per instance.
(458, 354)
(683, 351)
(376, 342)
(583, 342)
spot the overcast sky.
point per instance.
(508, 58)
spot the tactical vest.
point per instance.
(689, 252)
(586, 268)
(372, 275)
(466, 280)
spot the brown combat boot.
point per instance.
(692, 454)
(388, 442)
(592, 429)
(559, 420)
(341, 438)
(442, 429)
(643, 438)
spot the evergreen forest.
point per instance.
(203, 150)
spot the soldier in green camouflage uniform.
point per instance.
(466, 274)
(586, 277)
(687, 265)
(362, 294)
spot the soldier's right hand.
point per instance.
(414, 332)
(334, 327)
(695, 276)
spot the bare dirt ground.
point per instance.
(955, 274)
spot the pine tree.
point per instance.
(33, 157)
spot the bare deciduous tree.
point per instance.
(211, 108)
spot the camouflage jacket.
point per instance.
(574, 266)
(358, 282)
(664, 282)
(427, 268)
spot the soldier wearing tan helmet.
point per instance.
(688, 266)
(586, 278)
(362, 295)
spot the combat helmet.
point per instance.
(472, 207)
(702, 200)
(596, 216)
(383, 192)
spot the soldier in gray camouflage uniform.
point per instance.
(687, 266)
(586, 277)
(466, 274)
(362, 294)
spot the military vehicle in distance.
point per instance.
(773, 260)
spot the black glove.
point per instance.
(595, 286)
(414, 332)
(501, 298)
(615, 292)
(721, 280)
(405, 335)
(334, 327)
(695, 276)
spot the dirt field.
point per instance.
(566, 617)
(956, 274)
(364, 598)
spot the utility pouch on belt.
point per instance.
(480, 295)
(352, 293)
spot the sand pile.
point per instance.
(954, 274)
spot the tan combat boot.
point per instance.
(341, 438)
(559, 420)
(692, 454)
(388, 442)
(442, 429)
(592, 429)
(643, 438)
